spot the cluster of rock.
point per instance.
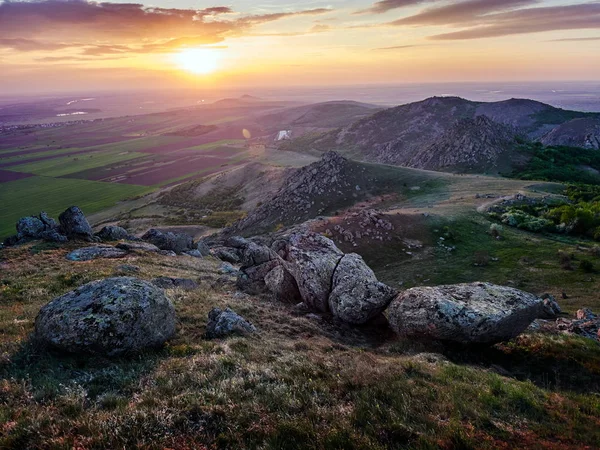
(585, 324)
(371, 223)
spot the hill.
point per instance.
(582, 132)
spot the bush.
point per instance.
(586, 266)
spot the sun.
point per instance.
(201, 61)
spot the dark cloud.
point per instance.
(384, 6)
(531, 20)
(461, 12)
(114, 28)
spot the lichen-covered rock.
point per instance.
(282, 285)
(107, 317)
(138, 247)
(551, 309)
(203, 248)
(175, 242)
(74, 224)
(30, 227)
(97, 252)
(194, 254)
(112, 233)
(237, 242)
(254, 255)
(465, 313)
(53, 235)
(175, 283)
(223, 323)
(357, 296)
(312, 260)
(226, 254)
(36, 227)
(251, 280)
(127, 269)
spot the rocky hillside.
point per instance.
(584, 133)
(396, 135)
(470, 145)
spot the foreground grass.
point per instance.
(300, 383)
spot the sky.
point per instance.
(76, 45)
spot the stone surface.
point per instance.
(112, 233)
(137, 247)
(551, 309)
(312, 260)
(175, 242)
(203, 248)
(175, 283)
(466, 313)
(226, 254)
(194, 254)
(223, 323)
(96, 252)
(107, 317)
(74, 224)
(254, 255)
(252, 279)
(357, 296)
(282, 285)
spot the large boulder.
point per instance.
(107, 317)
(138, 247)
(175, 242)
(223, 323)
(30, 227)
(36, 227)
(252, 279)
(203, 248)
(112, 233)
(480, 313)
(96, 252)
(255, 255)
(280, 282)
(357, 296)
(312, 260)
(74, 224)
(227, 254)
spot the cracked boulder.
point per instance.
(477, 313)
(107, 317)
(357, 296)
(282, 285)
(75, 226)
(112, 233)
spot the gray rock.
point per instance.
(551, 309)
(226, 323)
(237, 242)
(252, 279)
(254, 255)
(228, 269)
(465, 313)
(30, 227)
(168, 253)
(226, 254)
(112, 233)
(175, 283)
(312, 260)
(74, 224)
(138, 247)
(194, 254)
(282, 285)
(127, 269)
(357, 296)
(107, 317)
(203, 248)
(90, 253)
(53, 236)
(175, 242)
(36, 227)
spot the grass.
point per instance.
(54, 195)
(58, 167)
(216, 144)
(38, 154)
(300, 383)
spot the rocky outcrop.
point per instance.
(479, 313)
(96, 252)
(108, 317)
(357, 296)
(582, 132)
(586, 324)
(175, 242)
(226, 254)
(75, 226)
(36, 227)
(224, 323)
(282, 285)
(112, 233)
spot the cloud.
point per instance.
(114, 28)
(461, 12)
(384, 6)
(580, 39)
(530, 20)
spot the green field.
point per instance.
(58, 167)
(216, 144)
(53, 195)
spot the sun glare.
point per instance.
(201, 61)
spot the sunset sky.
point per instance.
(54, 45)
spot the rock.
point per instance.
(252, 279)
(107, 317)
(173, 283)
(203, 248)
(74, 224)
(169, 253)
(90, 253)
(138, 247)
(357, 296)
(254, 255)
(226, 254)
(312, 260)
(226, 323)
(551, 309)
(30, 227)
(194, 254)
(36, 227)
(282, 285)
(178, 243)
(585, 314)
(127, 269)
(237, 242)
(228, 269)
(53, 236)
(466, 313)
(112, 233)
(586, 324)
